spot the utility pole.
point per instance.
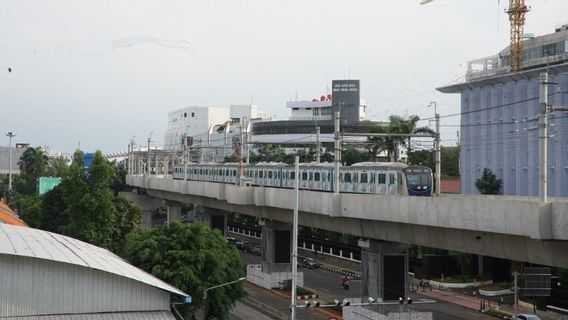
(149, 159)
(295, 236)
(10, 135)
(543, 137)
(438, 157)
(337, 155)
(318, 145)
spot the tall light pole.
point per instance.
(149, 153)
(10, 135)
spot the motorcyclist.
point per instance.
(345, 282)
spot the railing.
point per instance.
(319, 249)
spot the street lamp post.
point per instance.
(215, 287)
(10, 135)
(437, 148)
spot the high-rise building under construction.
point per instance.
(499, 117)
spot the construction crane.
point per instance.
(517, 10)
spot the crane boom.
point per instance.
(517, 10)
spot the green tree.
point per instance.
(30, 210)
(127, 219)
(488, 183)
(54, 211)
(398, 124)
(90, 201)
(191, 257)
(57, 167)
(352, 155)
(463, 260)
(33, 165)
(450, 161)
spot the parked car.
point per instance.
(308, 263)
(256, 250)
(527, 317)
(231, 240)
(244, 246)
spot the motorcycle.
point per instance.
(346, 284)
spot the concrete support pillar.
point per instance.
(384, 270)
(480, 265)
(173, 212)
(277, 244)
(217, 219)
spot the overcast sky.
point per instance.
(100, 72)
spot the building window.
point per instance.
(295, 108)
(185, 114)
(193, 114)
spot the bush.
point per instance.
(286, 285)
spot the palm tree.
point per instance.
(405, 126)
(33, 162)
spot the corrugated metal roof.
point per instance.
(8, 216)
(158, 315)
(34, 243)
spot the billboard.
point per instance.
(46, 184)
(346, 100)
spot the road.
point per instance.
(244, 312)
(328, 285)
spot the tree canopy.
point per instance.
(191, 257)
(488, 183)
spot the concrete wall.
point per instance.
(517, 228)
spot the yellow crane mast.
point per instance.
(517, 10)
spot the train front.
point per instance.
(418, 180)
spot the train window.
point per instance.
(382, 178)
(269, 174)
(277, 174)
(227, 172)
(311, 176)
(392, 180)
(260, 174)
(364, 177)
(200, 171)
(234, 172)
(347, 177)
(292, 175)
(304, 175)
(317, 176)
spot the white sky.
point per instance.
(100, 72)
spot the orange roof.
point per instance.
(7, 216)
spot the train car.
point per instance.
(367, 178)
(313, 176)
(373, 177)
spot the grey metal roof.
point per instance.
(156, 315)
(34, 243)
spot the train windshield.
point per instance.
(418, 179)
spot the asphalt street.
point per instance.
(328, 285)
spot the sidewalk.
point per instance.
(475, 303)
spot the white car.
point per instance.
(527, 317)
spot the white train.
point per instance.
(368, 177)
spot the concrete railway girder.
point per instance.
(540, 235)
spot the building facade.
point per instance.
(499, 118)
